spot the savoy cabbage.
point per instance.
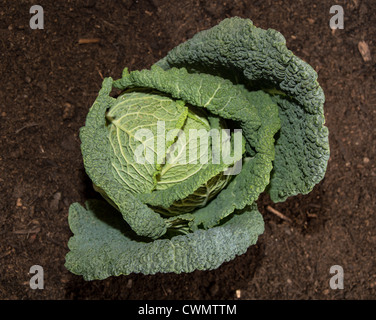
(166, 214)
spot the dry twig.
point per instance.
(278, 214)
(26, 126)
(86, 41)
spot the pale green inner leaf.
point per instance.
(138, 145)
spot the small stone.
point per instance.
(68, 111)
(19, 202)
(364, 51)
(311, 21)
(54, 204)
(365, 160)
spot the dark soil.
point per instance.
(49, 81)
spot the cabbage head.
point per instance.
(182, 151)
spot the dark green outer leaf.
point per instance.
(255, 175)
(102, 245)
